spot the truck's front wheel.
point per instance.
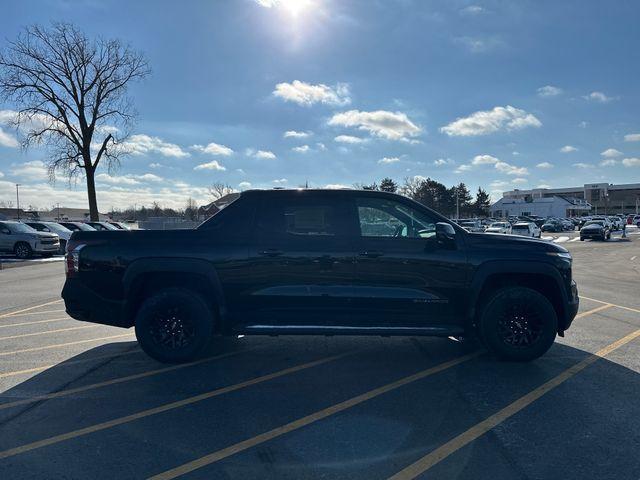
(518, 323)
(174, 326)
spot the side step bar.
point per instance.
(443, 331)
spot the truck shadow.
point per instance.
(588, 415)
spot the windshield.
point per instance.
(19, 227)
(592, 222)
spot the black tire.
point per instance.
(174, 326)
(518, 324)
(23, 250)
(581, 239)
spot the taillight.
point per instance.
(72, 258)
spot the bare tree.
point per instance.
(71, 96)
(219, 190)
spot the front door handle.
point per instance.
(271, 252)
(371, 254)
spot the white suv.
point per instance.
(527, 229)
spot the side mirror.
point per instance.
(445, 235)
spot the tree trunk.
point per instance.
(91, 192)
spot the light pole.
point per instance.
(18, 198)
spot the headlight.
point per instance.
(561, 254)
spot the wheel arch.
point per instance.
(145, 276)
(541, 277)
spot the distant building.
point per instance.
(17, 213)
(603, 197)
(555, 206)
(70, 214)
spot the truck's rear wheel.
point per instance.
(518, 324)
(174, 326)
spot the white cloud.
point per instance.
(543, 185)
(280, 181)
(549, 91)
(321, 146)
(462, 168)
(484, 160)
(631, 162)
(348, 139)
(213, 149)
(496, 184)
(442, 161)
(598, 97)
(1, 174)
(8, 140)
(490, 121)
(582, 165)
(479, 45)
(116, 180)
(128, 179)
(244, 185)
(307, 94)
(472, 10)
(568, 149)
(519, 180)
(632, 137)
(213, 165)
(155, 165)
(544, 165)
(508, 169)
(611, 153)
(261, 154)
(608, 163)
(301, 149)
(379, 123)
(142, 144)
(336, 186)
(388, 160)
(296, 134)
(34, 170)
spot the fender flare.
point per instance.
(485, 270)
(189, 266)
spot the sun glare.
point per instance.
(294, 7)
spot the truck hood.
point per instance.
(512, 242)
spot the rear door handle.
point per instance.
(371, 254)
(271, 252)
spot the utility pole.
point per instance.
(18, 199)
(58, 205)
(457, 204)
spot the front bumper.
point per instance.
(594, 234)
(85, 305)
(572, 306)
(46, 248)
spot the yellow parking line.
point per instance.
(595, 310)
(64, 364)
(115, 381)
(42, 312)
(21, 324)
(163, 408)
(613, 304)
(28, 309)
(59, 345)
(304, 421)
(11, 337)
(425, 463)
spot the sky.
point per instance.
(279, 93)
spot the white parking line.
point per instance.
(561, 239)
(575, 239)
(547, 238)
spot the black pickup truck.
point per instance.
(321, 262)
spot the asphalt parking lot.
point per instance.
(82, 401)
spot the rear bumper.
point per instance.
(86, 305)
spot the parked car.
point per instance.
(567, 224)
(595, 230)
(473, 226)
(636, 220)
(52, 227)
(119, 225)
(604, 220)
(102, 226)
(552, 226)
(24, 241)
(526, 229)
(77, 226)
(499, 227)
(300, 262)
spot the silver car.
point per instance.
(24, 241)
